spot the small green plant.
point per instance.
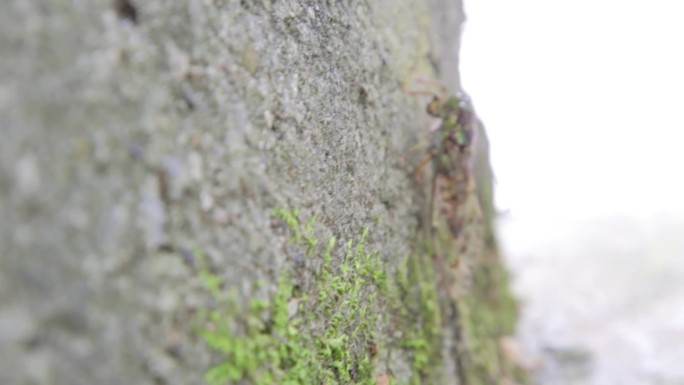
(321, 339)
(265, 352)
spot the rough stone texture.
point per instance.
(126, 143)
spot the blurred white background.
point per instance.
(583, 101)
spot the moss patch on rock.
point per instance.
(294, 338)
(346, 318)
(347, 330)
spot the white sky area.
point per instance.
(583, 101)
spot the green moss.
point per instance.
(262, 352)
(417, 285)
(210, 280)
(488, 313)
(325, 341)
(291, 218)
(325, 335)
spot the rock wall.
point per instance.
(217, 191)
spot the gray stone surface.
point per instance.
(125, 145)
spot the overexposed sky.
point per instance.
(583, 101)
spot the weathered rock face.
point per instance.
(172, 169)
